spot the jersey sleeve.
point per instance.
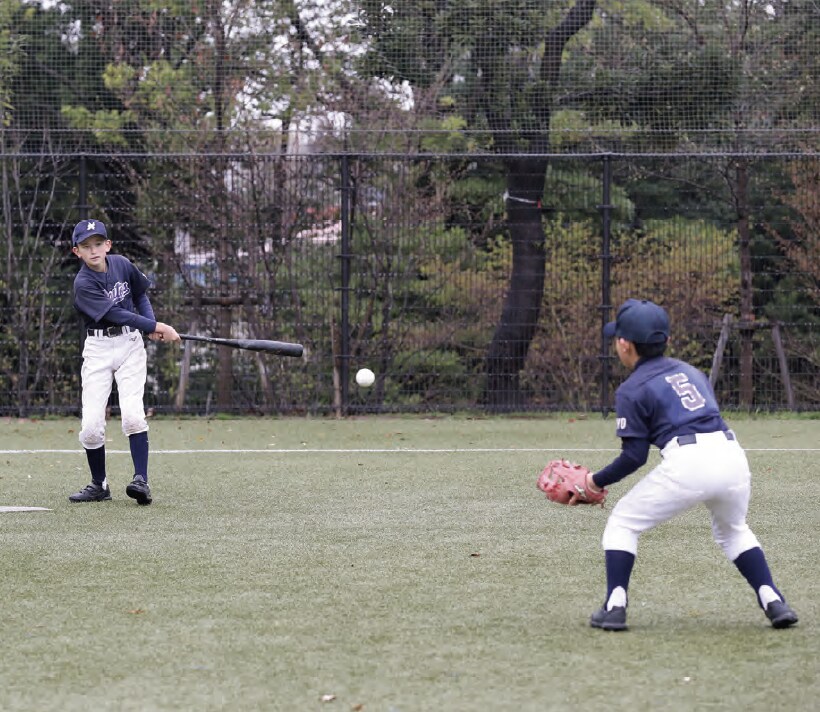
(634, 454)
(632, 426)
(90, 299)
(142, 303)
(122, 317)
(630, 420)
(139, 282)
(143, 306)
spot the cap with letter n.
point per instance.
(86, 228)
(641, 322)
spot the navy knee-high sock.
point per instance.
(96, 463)
(618, 570)
(752, 564)
(139, 453)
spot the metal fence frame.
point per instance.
(347, 403)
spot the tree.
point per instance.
(33, 278)
(501, 66)
(10, 50)
(802, 246)
(729, 79)
(206, 81)
(759, 40)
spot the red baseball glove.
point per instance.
(565, 482)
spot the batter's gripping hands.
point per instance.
(565, 482)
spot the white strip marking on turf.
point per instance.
(354, 451)
(320, 450)
(25, 509)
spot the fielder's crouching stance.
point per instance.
(110, 294)
(671, 404)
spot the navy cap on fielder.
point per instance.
(86, 228)
(641, 322)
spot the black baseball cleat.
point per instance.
(139, 490)
(95, 492)
(613, 619)
(779, 613)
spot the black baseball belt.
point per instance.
(110, 331)
(693, 438)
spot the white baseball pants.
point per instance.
(712, 470)
(105, 358)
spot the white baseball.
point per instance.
(365, 377)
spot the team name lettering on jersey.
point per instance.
(620, 423)
(121, 291)
(690, 396)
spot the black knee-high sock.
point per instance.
(139, 453)
(96, 463)
(618, 570)
(752, 564)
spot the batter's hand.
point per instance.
(164, 332)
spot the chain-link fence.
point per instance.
(411, 268)
(455, 194)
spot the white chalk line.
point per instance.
(24, 509)
(363, 451)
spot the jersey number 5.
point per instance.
(690, 397)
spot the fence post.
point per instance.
(606, 265)
(345, 258)
(82, 214)
(82, 205)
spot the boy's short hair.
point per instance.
(650, 350)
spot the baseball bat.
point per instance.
(280, 348)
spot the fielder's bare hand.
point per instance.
(164, 332)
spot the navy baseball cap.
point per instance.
(641, 322)
(86, 228)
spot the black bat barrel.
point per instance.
(279, 348)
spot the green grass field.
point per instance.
(418, 570)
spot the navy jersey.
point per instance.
(115, 297)
(663, 398)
